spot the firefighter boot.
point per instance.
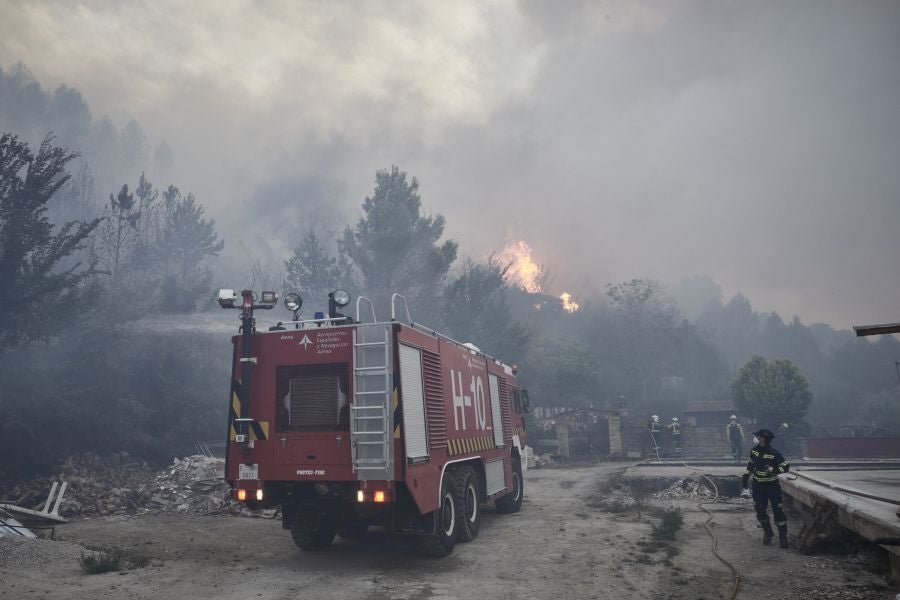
(768, 534)
(782, 536)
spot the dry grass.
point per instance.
(105, 560)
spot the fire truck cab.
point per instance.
(349, 422)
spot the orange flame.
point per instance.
(523, 271)
(568, 304)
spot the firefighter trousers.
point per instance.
(763, 494)
(736, 449)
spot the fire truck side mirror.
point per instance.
(526, 403)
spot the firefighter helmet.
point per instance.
(764, 433)
(675, 419)
(733, 417)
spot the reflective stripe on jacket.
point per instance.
(766, 464)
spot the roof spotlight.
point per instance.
(227, 298)
(269, 298)
(340, 297)
(293, 302)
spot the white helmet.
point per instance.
(655, 417)
(675, 419)
(733, 417)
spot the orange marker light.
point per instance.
(360, 496)
(242, 495)
(379, 496)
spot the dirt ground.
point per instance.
(561, 545)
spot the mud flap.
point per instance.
(308, 516)
(406, 519)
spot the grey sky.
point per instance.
(757, 143)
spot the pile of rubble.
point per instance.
(542, 461)
(689, 488)
(119, 484)
(193, 485)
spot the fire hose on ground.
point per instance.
(715, 540)
(655, 445)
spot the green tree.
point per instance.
(34, 288)
(736, 328)
(773, 392)
(312, 270)
(113, 249)
(394, 248)
(561, 372)
(186, 246)
(146, 204)
(881, 412)
(646, 330)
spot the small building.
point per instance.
(711, 413)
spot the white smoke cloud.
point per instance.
(755, 143)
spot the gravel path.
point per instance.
(561, 545)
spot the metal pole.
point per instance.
(248, 324)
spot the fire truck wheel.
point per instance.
(512, 502)
(441, 542)
(468, 504)
(307, 539)
(355, 530)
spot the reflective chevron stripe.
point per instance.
(259, 430)
(470, 445)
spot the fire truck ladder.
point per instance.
(371, 421)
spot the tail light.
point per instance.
(376, 496)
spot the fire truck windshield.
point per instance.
(312, 398)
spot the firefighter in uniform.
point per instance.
(653, 428)
(675, 429)
(765, 465)
(735, 434)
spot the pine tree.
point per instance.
(313, 271)
(187, 244)
(34, 290)
(396, 249)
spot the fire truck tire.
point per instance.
(512, 502)
(307, 539)
(354, 531)
(468, 504)
(441, 542)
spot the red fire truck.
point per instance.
(350, 422)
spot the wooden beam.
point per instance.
(862, 330)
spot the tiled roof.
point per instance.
(707, 407)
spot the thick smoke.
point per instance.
(755, 143)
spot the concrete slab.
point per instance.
(867, 516)
(830, 464)
(884, 483)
